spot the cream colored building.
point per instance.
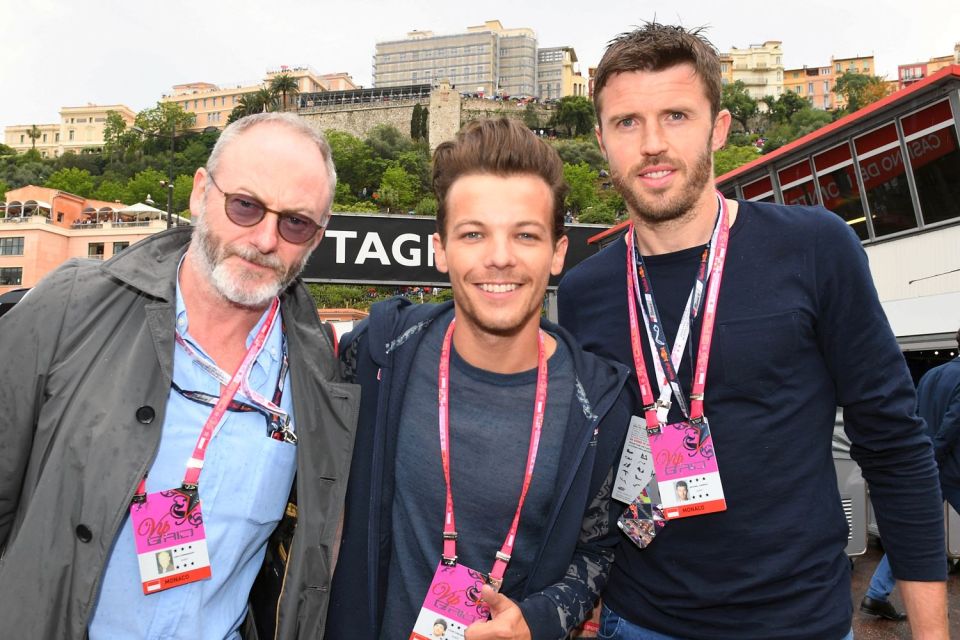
(212, 103)
(558, 74)
(487, 59)
(79, 128)
(759, 67)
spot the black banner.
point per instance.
(386, 249)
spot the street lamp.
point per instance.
(167, 184)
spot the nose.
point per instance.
(500, 252)
(653, 142)
(265, 235)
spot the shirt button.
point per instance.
(145, 415)
(83, 533)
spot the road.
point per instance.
(871, 628)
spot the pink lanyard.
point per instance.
(706, 329)
(195, 464)
(449, 528)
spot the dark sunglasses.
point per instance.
(247, 211)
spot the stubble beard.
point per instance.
(658, 209)
(240, 287)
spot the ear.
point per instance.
(599, 133)
(198, 194)
(721, 127)
(439, 254)
(559, 255)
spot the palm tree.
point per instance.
(33, 133)
(284, 84)
(266, 100)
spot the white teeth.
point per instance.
(498, 288)
(656, 174)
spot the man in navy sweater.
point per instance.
(753, 378)
(473, 408)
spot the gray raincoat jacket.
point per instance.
(85, 369)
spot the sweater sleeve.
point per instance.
(874, 387)
(553, 613)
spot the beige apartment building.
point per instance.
(487, 59)
(558, 75)
(41, 228)
(818, 84)
(79, 128)
(212, 103)
(759, 67)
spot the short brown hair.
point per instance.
(655, 47)
(501, 147)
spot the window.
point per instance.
(44, 137)
(11, 246)
(95, 250)
(838, 186)
(826, 86)
(21, 138)
(56, 137)
(759, 190)
(839, 67)
(809, 88)
(119, 246)
(71, 134)
(11, 275)
(934, 156)
(796, 184)
(885, 181)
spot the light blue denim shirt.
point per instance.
(244, 486)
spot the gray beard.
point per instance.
(239, 289)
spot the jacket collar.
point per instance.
(150, 265)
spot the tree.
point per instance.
(427, 206)
(143, 184)
(110, 190)
(248, 104)
(4, 187)
(531, 116)
(860, 89)
(388, 142)
(114, 129)
(583, 186)
(354, 160)
(34, 134)
(803, 122)
(164, 119)
(7, 151)
(284, 85)
(582, 149)
(182, 188)
(419, 123)
(738, 102)
(398, 189)
(575, 114)
(783, 108)
(732, 156)
(76, 181)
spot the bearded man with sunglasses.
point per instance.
(165, 401)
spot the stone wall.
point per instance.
(359, 119)
(448, 112)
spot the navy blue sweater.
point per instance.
(799, 331)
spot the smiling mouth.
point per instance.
(497, 288)
(656, 174)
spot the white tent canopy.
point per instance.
(141, 209)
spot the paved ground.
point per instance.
(870, 628)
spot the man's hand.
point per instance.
(507, 621)
(926, 604)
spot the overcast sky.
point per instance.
(71, 52)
